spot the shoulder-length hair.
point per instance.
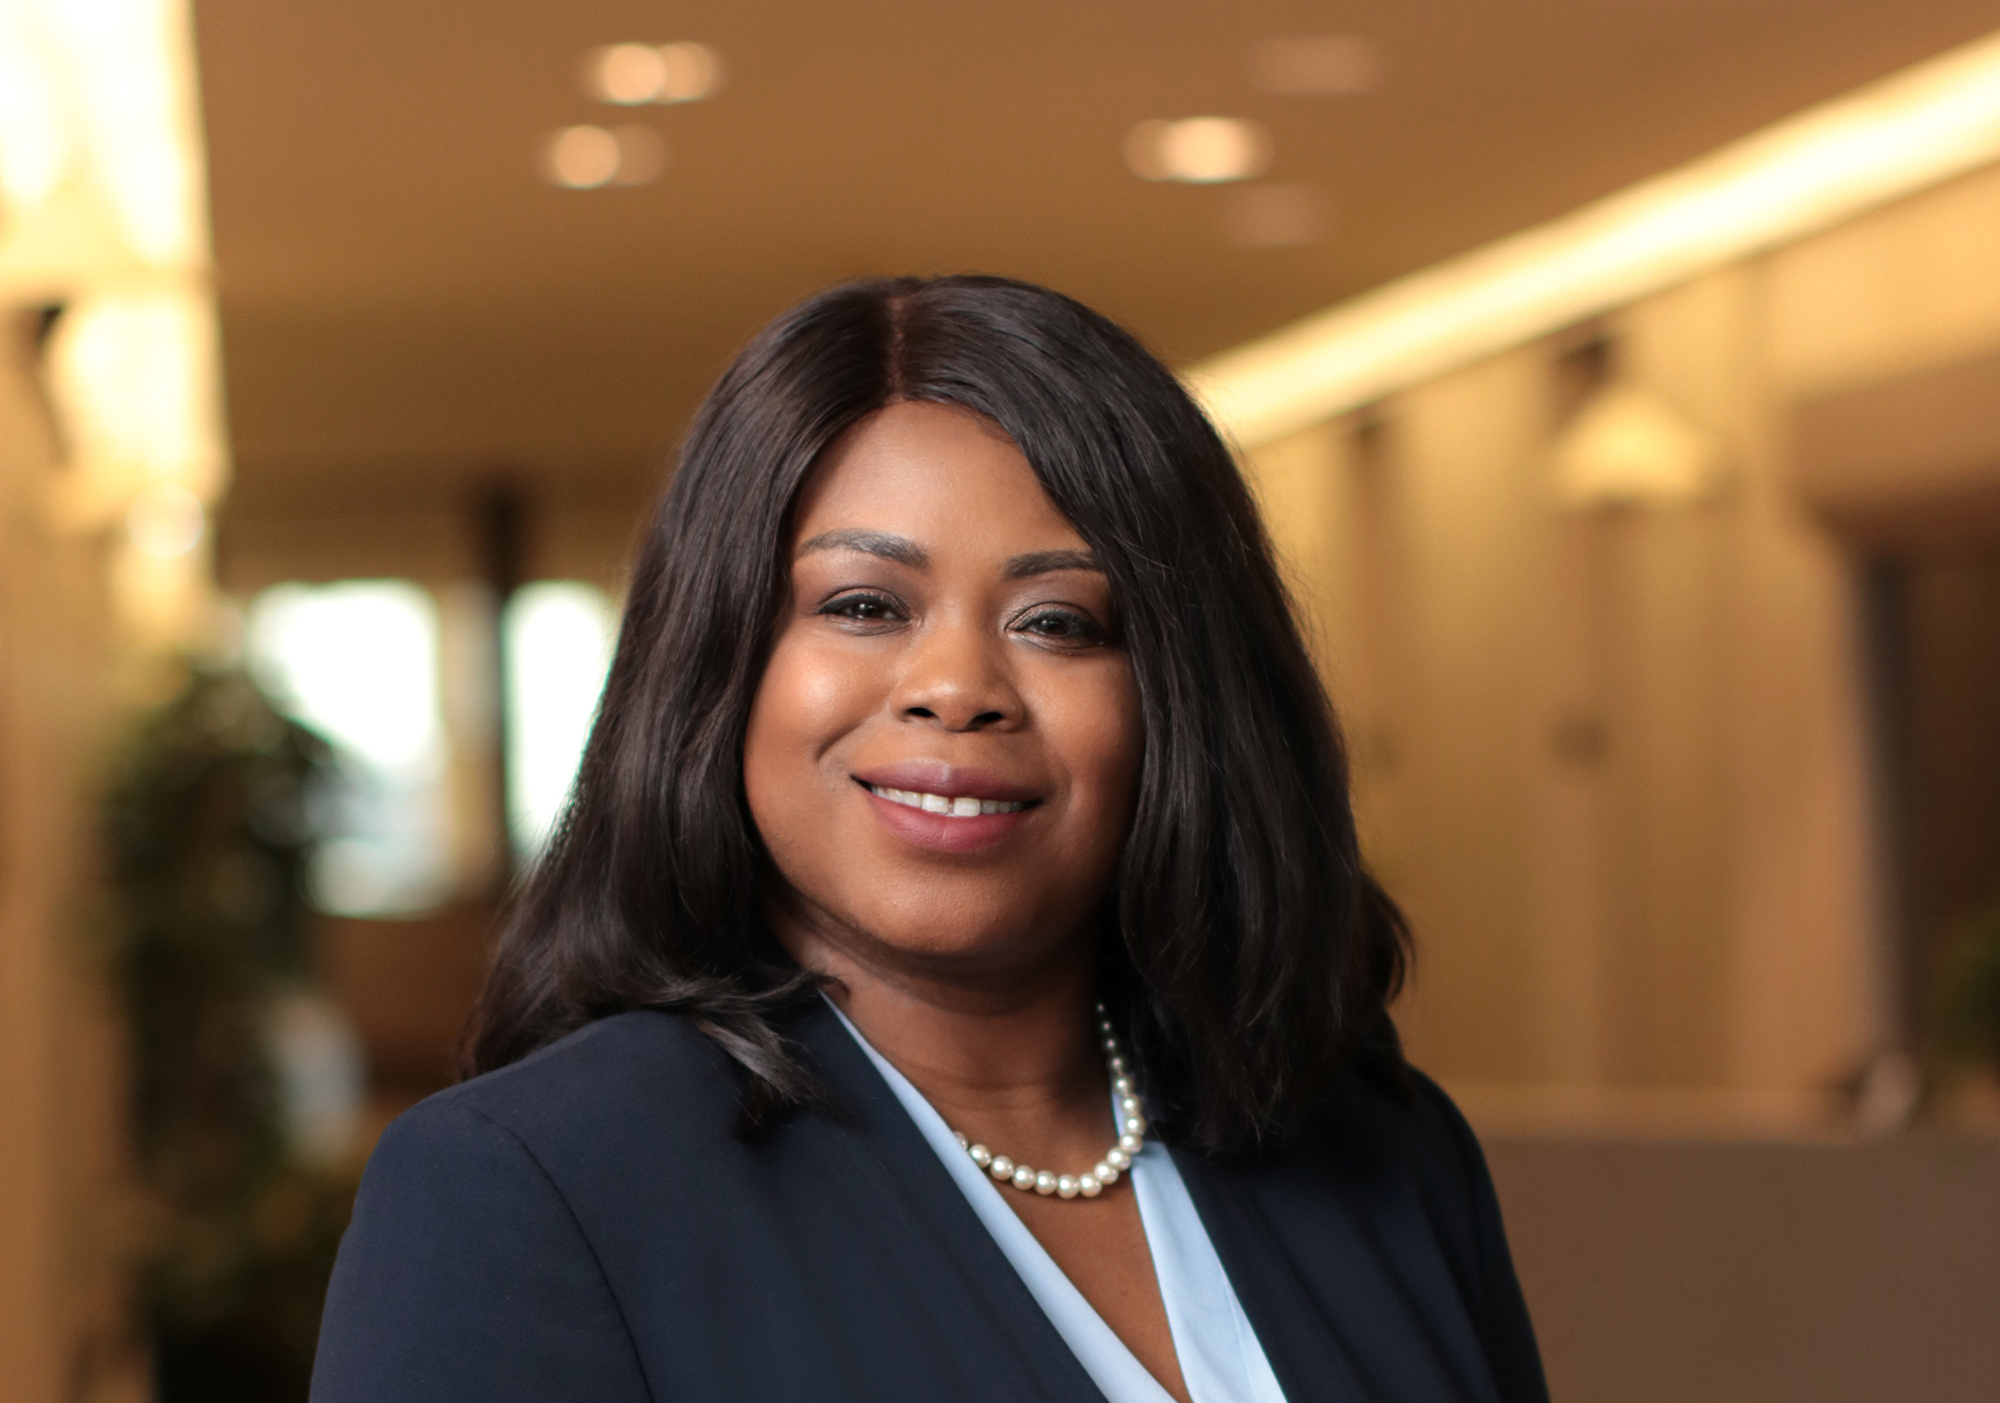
(1246, 950)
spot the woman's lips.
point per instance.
(946, 781)
(945, 809)
(957, 806)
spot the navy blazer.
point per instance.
(584, 1225)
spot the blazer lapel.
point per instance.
(1001, 1329)
(1337, 1317)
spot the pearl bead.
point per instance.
(1131, 1120)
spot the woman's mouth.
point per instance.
(963, 806)
(947, 809)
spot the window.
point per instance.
(357, 662)
(559, 636)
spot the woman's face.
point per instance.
(942, 753)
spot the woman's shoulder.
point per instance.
(1385, 1195)
(1381, 1138)
(474, 1267)
(1400, 1115)
(636, 1069)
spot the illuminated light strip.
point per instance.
(103, 211)
(1829, 163)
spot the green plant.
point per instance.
(1969, 990)
(209, 820)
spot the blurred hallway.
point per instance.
(1650, 548)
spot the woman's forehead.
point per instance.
(936, 475)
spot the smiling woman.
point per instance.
(962, 800)
(950, 643)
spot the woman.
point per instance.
(955, 975)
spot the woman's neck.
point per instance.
(1005, 1054)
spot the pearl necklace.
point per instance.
(1117, 1159)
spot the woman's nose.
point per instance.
(956, 676)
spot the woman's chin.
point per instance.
(942, 941)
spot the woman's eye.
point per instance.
(862, 608)
(1062, 626)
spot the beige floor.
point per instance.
(1707, 1272)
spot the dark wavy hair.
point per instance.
(1245, 948)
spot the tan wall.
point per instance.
(1911, 286)
(62, 1199)
(1617, 762)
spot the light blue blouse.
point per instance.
(1220, 1358)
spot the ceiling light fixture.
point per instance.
(1829, 163)
(1628, 446)
(580, 158)
(1200, 150)
(694, 71)
(631, 74)
(626, 74)
(642, 155)
(1320, 65)
(585, 157)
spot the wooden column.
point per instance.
(62, 1278)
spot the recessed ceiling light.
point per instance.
(625, 73)
(1203, 150)
(583, 158)
(693, 72)
(580, 158)
(630, 74)
(1323, 65)
(641, 154)
(1274, 216)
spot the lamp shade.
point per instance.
(1628, 446)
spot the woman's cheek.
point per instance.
(814, 698)
(1095, 727)
(832, 686)
(799, 700)
(779, 742)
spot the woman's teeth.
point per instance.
(962, 807)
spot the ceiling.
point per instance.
(408, 308)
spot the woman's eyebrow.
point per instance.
(1043, 562)
(900, 549)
